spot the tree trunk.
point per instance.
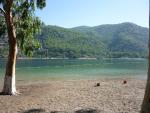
(146, 102)
(9, 87)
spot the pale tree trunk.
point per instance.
(9, 87)
(146, 102)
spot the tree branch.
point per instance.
(2, 12)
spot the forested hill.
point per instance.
(68, 43)
(122, 40)
(116, 40)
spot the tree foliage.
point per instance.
(2, 26)
(26, 23)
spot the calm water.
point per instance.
(51, 69)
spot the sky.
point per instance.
(72, 13)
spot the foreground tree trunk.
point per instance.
(9, 87)
(146, 102)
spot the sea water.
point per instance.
(58, 69)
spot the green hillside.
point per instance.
(67, 43)
(121, 40)
(116, 40)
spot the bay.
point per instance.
(30, 70)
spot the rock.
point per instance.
(124, 82)
(98, 84)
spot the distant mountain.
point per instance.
(125, 39)
(111, 40)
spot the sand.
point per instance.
(76, 96)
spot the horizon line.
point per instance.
(96, 25)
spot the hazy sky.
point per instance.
(71, 13)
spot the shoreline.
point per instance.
(81, 58)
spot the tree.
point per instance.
(21, 25)
(2, 26)
(146, 102)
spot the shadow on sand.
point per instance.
(88, 110)
(35, 111)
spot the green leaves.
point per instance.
(26, 31)
(27, 24)
(41, 3)
(32, 46)
(2, 26)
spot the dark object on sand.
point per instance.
(35, 111)
(98, 84)
(88, 110)
(124, 82)
(58, 112)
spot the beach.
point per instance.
(76, 96)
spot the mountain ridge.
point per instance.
(104, 25)
(109, 40)
(119, 40)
